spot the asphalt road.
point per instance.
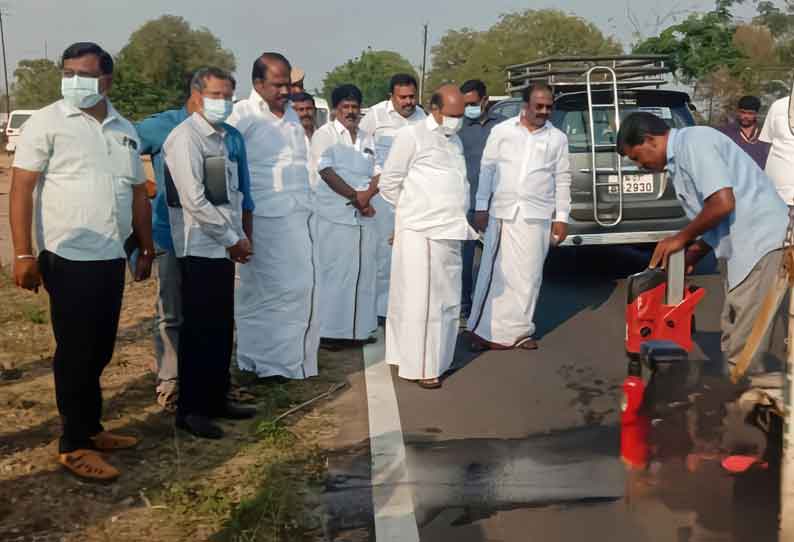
(525, 446)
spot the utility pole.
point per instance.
(424, 65)
(5, 64)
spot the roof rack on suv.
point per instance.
(568, 74)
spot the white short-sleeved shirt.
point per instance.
(84, 192)
(354, 162)
(780, 164)
(382, 122)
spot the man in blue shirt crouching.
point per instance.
(734, 210)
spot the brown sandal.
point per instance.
(107, 441)
(88, 465)
(526, 344)
(429, 383)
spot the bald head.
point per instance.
(447, 101)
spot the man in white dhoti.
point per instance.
(346, 235)
(523, 202)
(425, 179)
(276, 304)
(382, 121)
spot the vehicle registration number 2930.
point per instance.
(632, 184)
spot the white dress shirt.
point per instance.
(780, 164)
(383, 121)
(84, 192)
(277, 156)
(425, 179)
(525, 172)
(200, 228)
(333, 147)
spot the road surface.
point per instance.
(525, 446)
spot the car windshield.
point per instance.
(18, 120)
(575, 124)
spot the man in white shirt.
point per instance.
(780, 163)
(425, 179)
(81, 157)
(382, 121)
(278, 333)
(523, 203)
(346, 235)
(207, 230)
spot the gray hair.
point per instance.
(199, 79)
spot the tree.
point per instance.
(515, 38)
(696, 46)
(38, 83)
(154, 68)
(370, 72)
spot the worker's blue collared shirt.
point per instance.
(702, 161)
(153, 132)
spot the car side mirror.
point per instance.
(691, 107)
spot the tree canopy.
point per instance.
(370, 72)
(38, 83)
(516, 37)
(154, 68)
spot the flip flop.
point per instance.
(429, 383)
(107, 441)
(737, 464)
(88, 465)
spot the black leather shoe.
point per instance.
(200, 426)
(237, 412)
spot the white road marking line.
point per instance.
(392, 495)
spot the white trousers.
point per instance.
(509, 280)
(424, 305)
(384, 225)
(348, 270)
(278, 332)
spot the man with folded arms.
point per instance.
(346, 233)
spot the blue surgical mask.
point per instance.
(217, 110)
(473, 112)
(81, 92)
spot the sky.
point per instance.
(314, 34)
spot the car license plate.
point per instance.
(632, 184)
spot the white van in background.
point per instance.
(322, 113)
(14, 126)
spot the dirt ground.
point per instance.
(252, 485)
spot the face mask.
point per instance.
(81, 92)
(451, 125)
(217, 110)
(473, 112)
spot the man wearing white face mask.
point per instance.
(425, 179)
(207, 230)
(523, 203)
(81, 157)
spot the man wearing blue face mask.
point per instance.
(207, 231)
(81, 157)
(477, 126)
(153, 131)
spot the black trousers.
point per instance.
(207, 334)
(85, 304)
